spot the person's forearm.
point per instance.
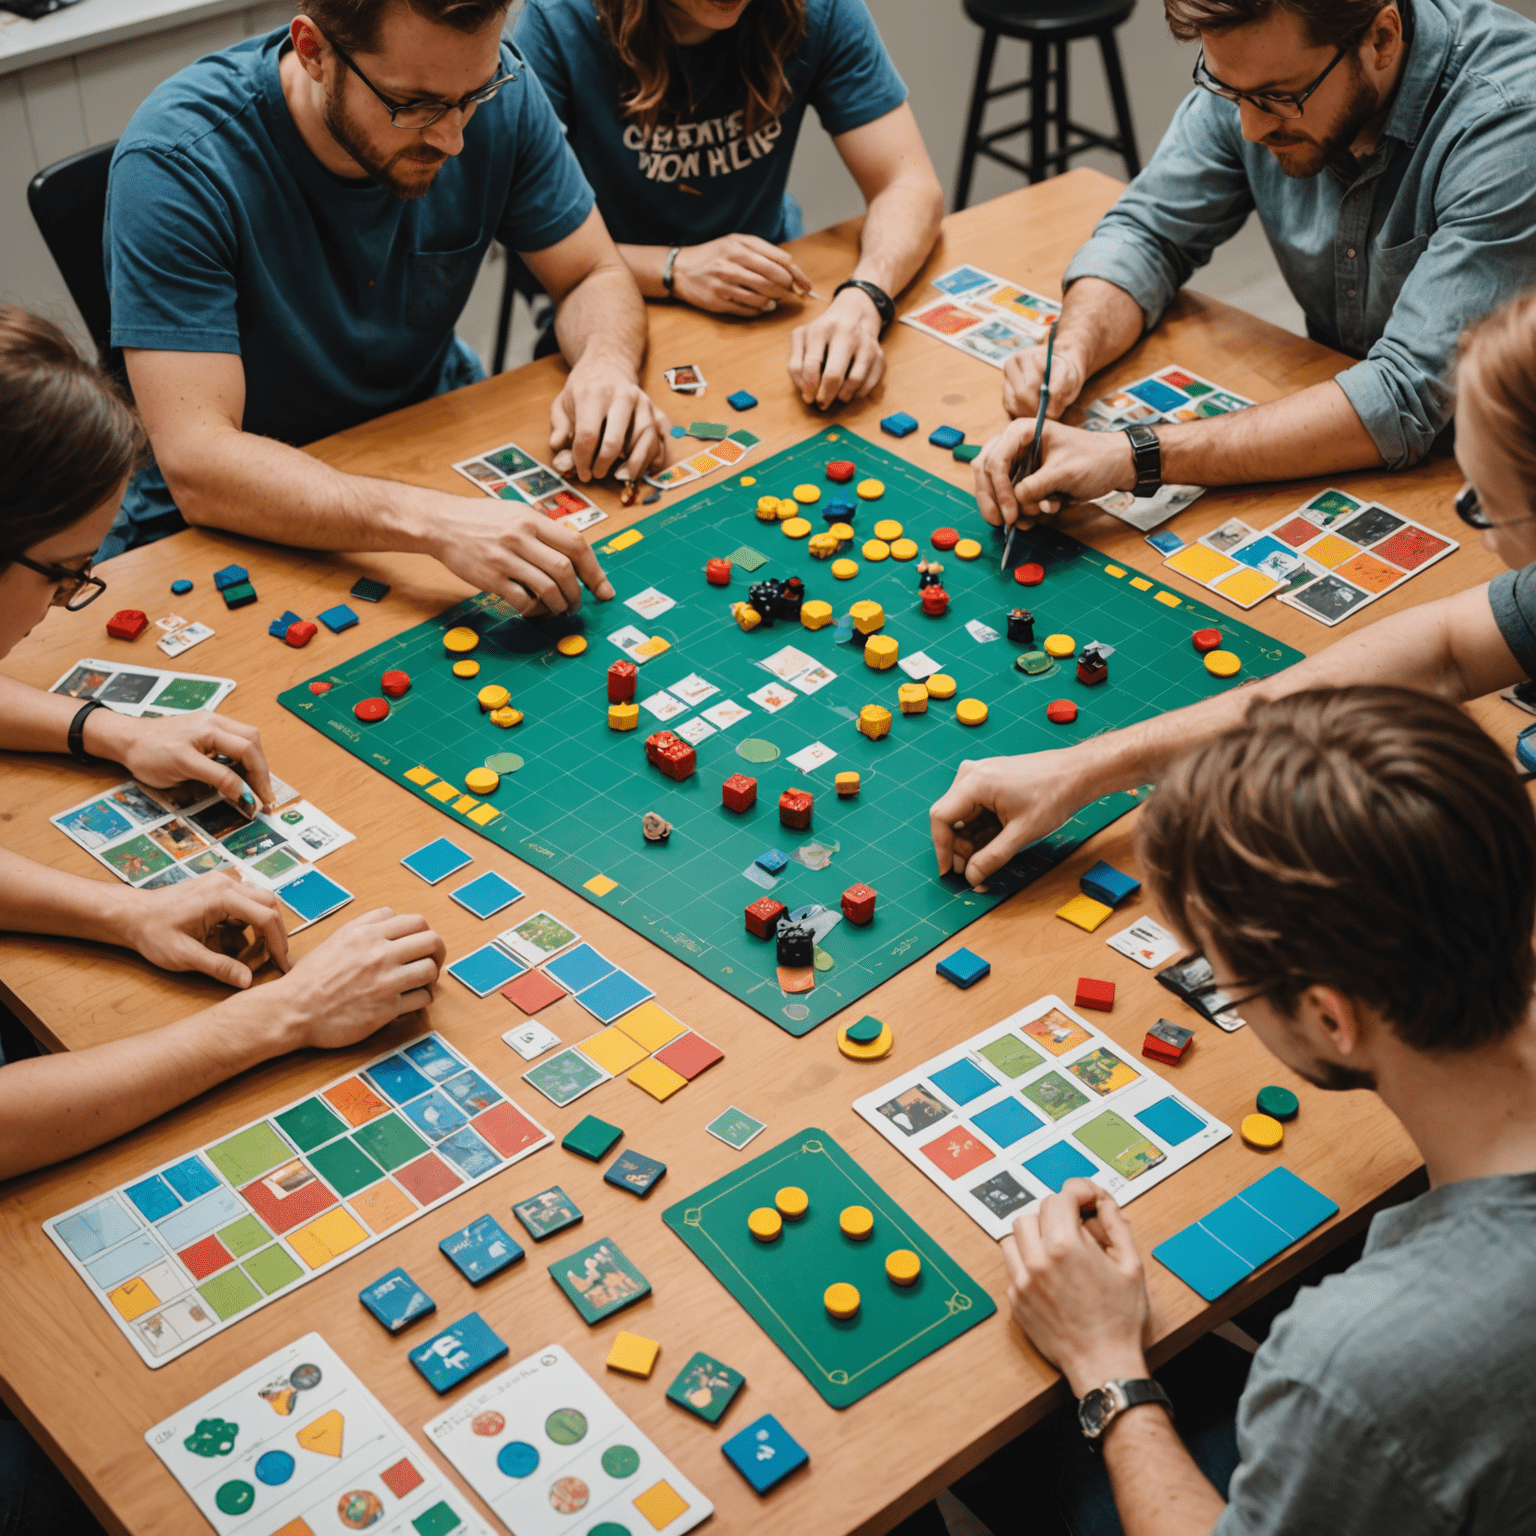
(1159, 1490)
(603, 315)
(1099, 322)
(34, 721)
(36, 899)
(900, 226)
(646, 263)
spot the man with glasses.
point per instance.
(294, 226)
(1390, 153)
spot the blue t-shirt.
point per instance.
(225, 234)
(697, 180)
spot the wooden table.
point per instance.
(69, 1375)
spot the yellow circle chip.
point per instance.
(748, 480)
(466, 669)
(795, 527)
(1059, 646)
(460, 640)
(1222, 664)
(903, 1266)
(845, 570)
(867, 616)
(481, 781)
(971, 712)
(765, 1224)
(571, 645)
(940, 686)
(807, 495)
(904, 549)
(855, 1051)
(842, 1300)
(768, 506)
(815, 614)
(787, 508)
(967, 549)
(493, 696)
(1262, 1131)
(842, 532)
(888, 529)
(869, 490)
(857, 1222)
(792, 1202)
(506, 716)
(876, 549)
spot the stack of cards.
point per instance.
(509, 474)
(984, 315)
(722, 454)
(687, 380)
(145, 692)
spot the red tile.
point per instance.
(401, 1478)
(284, 1211)
(532, 991)
(507, 1129)
(205, 1257)
(429, 1178)
(689, 1055)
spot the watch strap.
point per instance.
(876, 296)
(1123, 1394)
(77, 732)
(666, 270)
(1148, 454)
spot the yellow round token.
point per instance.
(492, 696)
(888, 529)
(880, 652)
(878, 1047)
(787, 508)
(796, 527)
(940, 686)
(1059, 646)
(481, 781)
(842, 532)
(815, 614)
(967, 549)
(867, 616)
(845, 570)
(623, 717)
(904, 549)
(792, 1202)
(460, 640)
(768, 505)
(1222, 663)
(806, 495)
(748, 480)
(1262, 1131)
(876, 549)
(970, 712)
(823, 546)
(505, 716)
(903, 1266)
(466, 669)
(857, 1222)
(842, 1300)
(869, 490)
(571, 645)
(765, 1224)
(912, 697)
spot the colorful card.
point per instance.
(486, 894)
(538, 938)
(531, 1040)
(548, 1212)
(458, 1352)
(396, 1300)
(142, 691)
(1147, 943)
(728, 451)
(510, 474)
(599, 1281)
(564, 1078)
(735, 1127)
(984, 315)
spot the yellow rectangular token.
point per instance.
(133, 1298)
(1084, 912)
(324, 1238)
(465, 803)
(442, 791)
(599, 885)
(485, 815)
(613, 1051)
(1200, 563)
(634, 1355)
(420, 775)
(652, 647)
(1141, 583)
(1168, 599)
(661, 1504)
(658, 1079)
(1331, 550)
(650, 1026)
(1245, 587)
(624, 540)
(1117, 571)
(703, 462)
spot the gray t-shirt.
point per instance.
(1396, 1399)
(1512, 596)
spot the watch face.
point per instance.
(1094, 1412)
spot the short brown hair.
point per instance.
(353, 25)
(1329, 23)
(1498, 359)
(68, 438)
(1369, 839)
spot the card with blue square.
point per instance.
(436, 860)
(963, 968)
(486, 894)
(1006, 1122)
(481, 1249)
(765, 1453)
(338, 618)
(613, 996)
(458, 1352)
(635, 1172)
(578, 968)
(485, 969)
(962, 1081)
(396, 1300)
(1054, 1166)
(313, 896)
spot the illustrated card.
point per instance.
(599, 1280)
(297, 1443)
(735, 1127)
(509, 473)
(537, 938)
(143, 691)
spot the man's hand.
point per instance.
(1074, 466)
(837, 356)
(367, 974)
(602, 420)
(200, 925)
(737, 275)
(176, 748)
(1024, 371)
(1076, 1288)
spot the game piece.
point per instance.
(858, 904)
(1278, 1103)
(765, 1224)
(1021, 626)
(874, 721)
(240, 595)
(935, 601)
(480, 1250)
(707, 431)
(396, 1301)
(740, 400)
(903, 1266)
(371, 710)
(369, 590)
(492, 696)
(313, 896)
(629, 493)
(673, 756)
(846, 784)
(840, 470)
(127, 624)
(822, 546)
(807, 494)
(635, 1172)
(485, 970)
(795, 528)
(771, 862)
(795, 806)
(940, 686)
(654, 828)
(795, 943)
(1262, 1132)
(547, 1213)
(739, 792)
(791, 1202)
(967, 549)
(767, 509)
(816, 614)
(845, 570)
(230, 576)
(706, 1387)
(1103, 882)
(747, 617)
(1061, 711)
(571, 645)
(336, 620)
(1222, 664)
(395, 684)
(869, 490)
(1093, 663)
(1084, 912)
(1059, 646)
(621, 680)
(623, 717)
(880, 652)
(591, 1138)
(1095, 994)
(598, 1280)
(530, 1040)
(612, 1050)
(856, 1221)
(458, 1352)
(841, 1300)
(633, 1355)
(865, 1031)
(482, 781)
(486, 894)
(1167, 1042)
(888, 530)
(717, 572)
(898, 424)
(946, 437)
(912, 698)
(764, 1453)
(785, 508)
(436, 860)
(1206, 640)
(320, 686)
(1033, 663)
(964, 453)
(505, 717)
(689, 1055)
(872, 1049)
(963, 968)
(181, 586)
(875, 549)
(457, 641)
(971, 712)
(867, 616)
(532, 991)
(1029, 574)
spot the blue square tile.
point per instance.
(191, 1178)
(1253, 1238)
(396, 1300)
(338, 618)
(279, 626)
(741, 400)
(1006, 1122)
(313, 895)
(1291, 1203)
(963, 968)
(1157, 395)
(481, 1249)
(487, 894)
(435, 1115)
(468, 1153)
(153, 1197)
(1170, 1121)
(230, 576)
(437, 860)
(396, 1079)
(898, 424)
(434, 1058)
(962, 1081)
(1054, 1166)
(485, 969)
(946, 437)
(458, 1352)
(765, 1453)
(635, 1172)
(613, 996)
(771, 862)
(1202, 1263)
(578, 968)
(1103, 882)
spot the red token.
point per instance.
(1206, 639)
(1061, 712)
(840, 470)
(395, 683)
(945, 538)
(319, 686)
(371, 709)
(1029, 575)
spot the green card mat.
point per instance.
(574, 808)
(781, 1283)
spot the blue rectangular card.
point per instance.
(481, 1249)
(396, 1300)
(1252, 1237)
(1202, 1262)
(437, 860)
(578, 968)
(458, 1352)
(1170, 1121)
(485, 969)
(487, 894)
(1291, 1203)
(765, 1453)
(1165, 541)
(313, 896)
(635, 1172)
(613, 996)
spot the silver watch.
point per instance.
(1098, 1409)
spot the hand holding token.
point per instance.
(1074, 466)
(998, 805)
(178, 748)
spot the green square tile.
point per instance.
(229, 1293)
(273, 1268)
(705, 1386)
(344, 1166)
(244, 1236)
(309, 1124)
(437, 1521)
(389, 1141)
(591, 1137)
(250, 1154)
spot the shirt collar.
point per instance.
(1430, 40)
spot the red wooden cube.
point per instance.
(1167, 1042)
(656, 741)
(1160, 1050)
(127, 624)
(795, 808)
(718, 573)
(858, 904)
(299, 635)
(621, 682)
(763, 916)
(739, 792)
(676, 759)
(1095, 994)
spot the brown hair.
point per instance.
(68, 438)
(1329, 23)
(654, 88)
(1498, 358)
(1369, 839)
(353, 25)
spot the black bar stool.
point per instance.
(1047, 26)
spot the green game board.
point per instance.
(574, 808)
(781, 1283)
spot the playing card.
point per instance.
(184, 639)
(727, 712)
(773, 697)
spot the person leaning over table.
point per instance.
(1359, 865)
(293, 227)
(684, 115)
(1390, 152)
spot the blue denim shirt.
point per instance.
(1390, 261)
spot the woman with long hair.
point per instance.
(684, 115)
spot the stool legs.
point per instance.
(1039, 107)
(1124, 130)
(971, 143)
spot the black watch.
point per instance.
(1149, 460)
(77, 733)
(876, 296)
(1098, 1409)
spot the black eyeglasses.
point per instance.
(1469, 508)
(1213, 997)
(1283, 105)
(413, 115)
(75, 590)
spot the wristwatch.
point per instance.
(76, 736)
(876, 296)
(1149, 460)
(666, 270)
(1098, 1409)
